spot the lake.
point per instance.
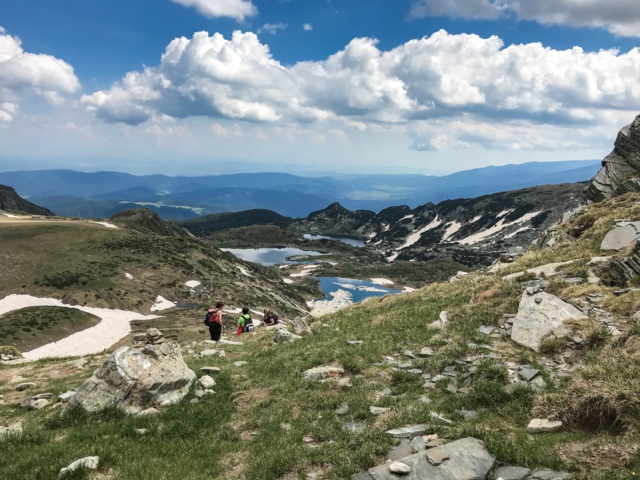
(357, 289)
(354, 242)
(270, 256)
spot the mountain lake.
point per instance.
(354, 242)
(270, 256)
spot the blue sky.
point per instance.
(421, 86)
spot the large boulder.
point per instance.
(620, 172)
(538, 316)
(135, 379)
(621, 236)
(465, 459)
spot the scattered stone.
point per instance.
(426, 352)
(132, 377)
(199, 393)
(282, 335)
(207, 382)
(511, 473)
(418, 444)
(436, 457)
(224, 341)
(528, 374)
(320, 373)
(90, 463)
(209, 352)
(241, 363)
(194, 400)
(440, 323)
(539, 425)
(535, 321)
(425, 399)
(399, 468)
(378, 410)
(354, 342)
(286, 427)
(342, 410)
(142, 431)
(439, 418)
(546, 474)
(66, 396)
(24, 386)
(487, 330)
(149, 412)
(621, 236)
(211, 370)
(452, 388)
(467, 414)
(355, 427)
(408, 353)
(408, 432)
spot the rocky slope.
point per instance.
(12, 202)
(620, 172)
(472, 232)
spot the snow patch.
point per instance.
(520, 230)
(498, 227)
(288, 281)
(381, 281)
(193, 283)
(349, 286)
(129, 276)
(475, 219)
(392, 257)
(114, 326)
(451, 230)
(306, 270)
(406, 217)
(503, 213)
(408, 290)
(161, 303)
(415, 236)
(243, 271)
(105, 224)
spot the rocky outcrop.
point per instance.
(621, 236)
(11, 201)
(539, 315)
(620, 172)
(619, 271)
(147, 221)
(135, 379)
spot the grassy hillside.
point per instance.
(266, 422)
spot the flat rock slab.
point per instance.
(90, 463)
(623, 235)
(222, 341)
(538, 316)
(540, 425)
(408, 432)
(320, 373)
(468, 460)
(548, 475)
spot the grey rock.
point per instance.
(362, 476)
(408, 432)
(354, 342)
(487, 330)
(199, 393)
(66, 396)
(207, 382)
(621, 236)
(440, 323)
(418, 444)
(209, 352)
(90, 463)
(408, 353)
(468, 413)
(240, 363)
(540, 425)
(528, 374)
(354, 427)
(149, 412)
(436, 457)
(11, 430)
(24, 386)
(536, 321)
(282, 335)
(342, 410)
(210, 370)
(320, 373)
(378, 410)
(399, 468)
(141, 431)
(619, 172)
(426, 352)
(440, 419)
(511, 473)
(40, 396)
(136, 378)
(468, 460)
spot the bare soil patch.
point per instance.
(249, 398)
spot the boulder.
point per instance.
(282, 335)
(541, 425)
(540, 315)
(321, 373)
(620, 172)
(468, 459)
(621, 236)
(207, 382)
(153, 376)
(90, 463)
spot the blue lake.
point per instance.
(354, 242)
(358, 289)
(269, 256)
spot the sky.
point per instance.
(197, 87)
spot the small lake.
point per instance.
(357, 289)
(354, 242)
(269, 256)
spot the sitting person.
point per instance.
(270, 318)
(245, 322)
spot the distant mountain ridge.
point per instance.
(102, 194)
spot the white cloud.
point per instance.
(226, 132)
(238, 9)
(621, 17)
(272, 28)
(307, 27)
(23, 74)
(443, 76)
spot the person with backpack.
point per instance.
(213, 320)
(245, 322)
(270, 318)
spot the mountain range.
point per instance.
(102, 194)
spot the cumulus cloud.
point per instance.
(23, 73)
(272, 28)
(307, 27)
(441, 76)
(621, 17)
(238, 9)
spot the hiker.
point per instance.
(213, 319)
(245, 322)
(269, 317)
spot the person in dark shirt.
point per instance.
(269, 317)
